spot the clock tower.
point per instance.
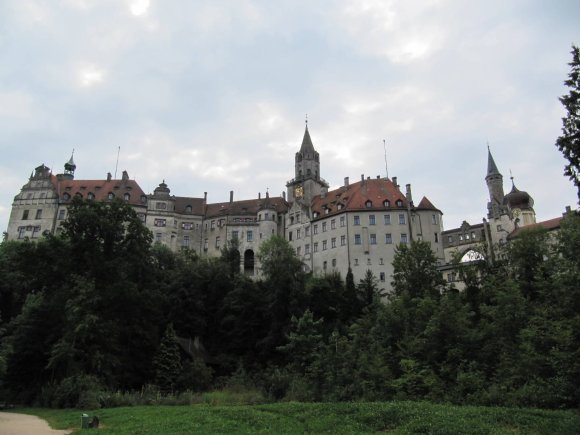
(306, 182)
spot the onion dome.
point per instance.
(518, 199)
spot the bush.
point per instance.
(80, 391)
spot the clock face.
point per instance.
(298, 191)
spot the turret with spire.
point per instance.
(307, 182)
(494, 181)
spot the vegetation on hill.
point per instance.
(99, 309)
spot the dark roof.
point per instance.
(355, 197)
(246, 207)
(549, 225)
(491, 166)
(518, 199)
(307, 146)
(182, 202)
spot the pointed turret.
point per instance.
(307, 146)
(494, 181)
(69, 168)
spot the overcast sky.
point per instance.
(212, 96)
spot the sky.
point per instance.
(213, 96)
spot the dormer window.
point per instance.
(78, 195)
(386, 203)
(315, 214)
(339, 206)
(399, 203)
(188, 209)
(143, 199)
(326, 210)
(368, 204)
(127, 197)
(66, 196)
(91, 196)
(110, 195)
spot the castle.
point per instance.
(357, 225)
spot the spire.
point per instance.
(307, 146)
(70, 167)
(491, 166)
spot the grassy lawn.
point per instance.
(336, 418)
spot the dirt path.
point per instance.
(22, 424)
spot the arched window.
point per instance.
(386, 203)
(399, 203)
(66, 196)
(249, 262)
(91, 195)
(78, 195)
(188, 209)
(472, 255)
(368, 204)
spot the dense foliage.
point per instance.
(100, 310)
(569, 141)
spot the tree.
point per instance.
(569, 142)
(167, 361)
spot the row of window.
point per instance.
(33, 230)
(333, 262)
(26, 214)
(110, 196)
(461, 237)
(368, 204)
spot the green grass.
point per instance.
(335, 418)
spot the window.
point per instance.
(217, 242)
(372, 219)
(342, 221)
(333, 242)
(373, 238)
(25, 215)
(143, 198)
(324, 265)
(436, 237)
(161, 206)
(387, 219)
(460, 237)
(333, 224)
(323, 227)
(160, 222)
(357, 239)
(342, 240)
(188, 209)
(185, 242)
(35, 232)
(158, 237)
(66, 197)
(451, 277)
(466, 236)
(249, 236)
(298, 233)
(324, 245)
(326, 210)
(434, 219)
(298, 250)
(212, 225)
(127, 197)
(38, 214)
(382, 276)
(61, 214)
(498, 227)
(402, 219)
(369, 262)
(334, 262)
(235, 235)
(21, 232)
(205, 245)
(78, 195)
(399, 203)
(315, 247)
(403, 238)
(356, 261)
(290, 233)
(357, 220)
(473, 234)
(187, 225)
(388, 238)
(381, 262)
(368, 204)
(386, 203)
(307, 249)
(110, 196)
(450, 239)
(315, 229)
(141, 216)
(90, 196)
(306, 231)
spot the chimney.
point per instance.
(395, 182)
(568, 210)
(259, 195)
(408, 194)
(205, 197)
(231, 196)
(378, 177)
(362, 177)
(284, 195)
(346, 181)
(125, 176)
(109, 176)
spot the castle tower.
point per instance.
(494, 182)
(307, 182)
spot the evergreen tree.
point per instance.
(167, 361)
(569, 142)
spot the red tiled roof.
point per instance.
(246, 207)
(181, 203)
(100, 189)
(355, 197)
(549, 225)
(425, 204)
